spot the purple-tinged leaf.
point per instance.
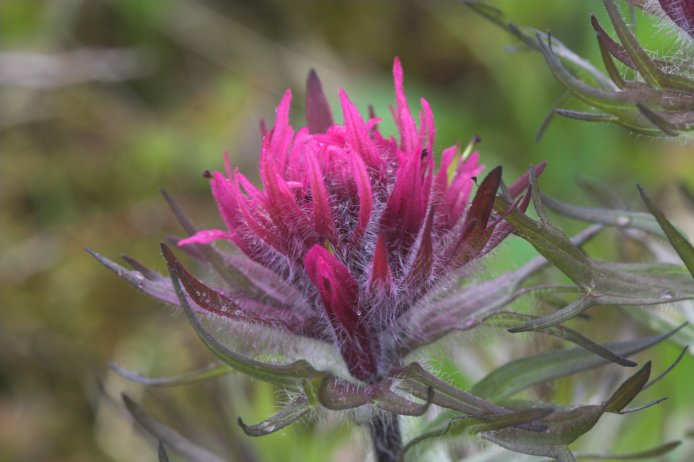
(155, 285)
(614, 48)
(338, 395)
(390, 401)
(167, 435)
(464, 426)
(463, 310)
(319, 117)
(138, 266)
(238, 307)
(288, 415)
(681, 12)
(284, 374)
(418, 382)
(655, 77)
(213, 370)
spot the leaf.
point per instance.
(628, 390)
(520, 374)
(510, 320)
(464, 425)
(167, 435)
(566, 425)
(337, 394)
(154, 285)
(239, 307)
(289, 414)
(648, 454)
(601, 283)
(278, 374)
(417, 381)
(464, 310)
(683, 248)
(653, 75)
(213, 370)
(390, 401)
(611, 217)
(527, 36)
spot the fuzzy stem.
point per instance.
(386, 438)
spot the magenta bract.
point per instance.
(361, 224)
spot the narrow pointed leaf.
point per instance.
(213, 370)
(168, 436)
(155, 285)
(520, 374)
(510, 320)
(289, 414)
(648, 454)
(564, 427)
(629, 389)
(568, 312)
(611, 217)
(683, 248)
(643, 63)
(657, 120)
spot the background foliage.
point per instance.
(87, 141)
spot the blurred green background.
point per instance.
(104, 102)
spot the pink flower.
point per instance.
(361, 225)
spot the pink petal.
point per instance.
(358, 133)
(205, 237)
(380, 278)
(364, 191)
(322, 217)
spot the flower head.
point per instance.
(362, 225)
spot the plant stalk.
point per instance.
(386, 438)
